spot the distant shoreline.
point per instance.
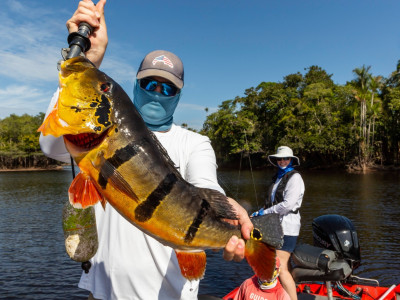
(50, 168)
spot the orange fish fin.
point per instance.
(192, 264)
(83, 193)
(51, 123)
(261, 258)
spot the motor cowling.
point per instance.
(337, 233)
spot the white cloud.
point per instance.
(20, 99)
(118, 69)
(23, 67)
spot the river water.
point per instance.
(34, 265)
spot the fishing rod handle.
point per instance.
(79, 41)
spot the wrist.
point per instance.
(96, 56)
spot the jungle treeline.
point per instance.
(19, 143)
(355, 125)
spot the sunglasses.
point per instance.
(167, 89)
(283, 158)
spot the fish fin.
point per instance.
(51, 124)
(103, 203)
(261, 258)
(218, 202)
(269, 229)
(192, 264)
(83, 193)
(107, 170)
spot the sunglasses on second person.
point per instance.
(167, 89)
(282, 158)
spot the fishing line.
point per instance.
(240, 168)
(251, 169)
(226, 188)
(72, 168)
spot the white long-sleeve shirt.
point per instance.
(292, 199)
(130, 264)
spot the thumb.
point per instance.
(100, 6)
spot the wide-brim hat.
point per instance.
(283, 151)
(164, 64)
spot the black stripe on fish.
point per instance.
(103, 111)
(121, 156)
(194, 227)
(144, 211)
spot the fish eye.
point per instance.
(105, 87)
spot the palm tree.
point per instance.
(375, 85)
(362, 83)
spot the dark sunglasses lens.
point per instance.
(148, 84)
(169, 89)
(283, 158)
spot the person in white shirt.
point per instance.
(130, 264)
(285, 196)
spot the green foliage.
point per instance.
(324, 123)
(18, 134)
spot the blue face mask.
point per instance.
(283, 170)
(156, 109)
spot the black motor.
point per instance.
(337, 233)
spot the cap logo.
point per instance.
(163, 59)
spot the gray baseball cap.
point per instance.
(164, 64)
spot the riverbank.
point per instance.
(48, 168)
(371, 168)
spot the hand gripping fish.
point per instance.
(122, 163)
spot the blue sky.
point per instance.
(226, 46)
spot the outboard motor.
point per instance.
(337, 233)
(332, 259)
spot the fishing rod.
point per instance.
(78, 43)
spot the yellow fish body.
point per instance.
(123, 163)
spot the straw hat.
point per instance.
(283, 151)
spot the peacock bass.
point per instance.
(122, 163)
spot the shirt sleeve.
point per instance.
(54, 147)
(240, 295)
(292, 196)
(201, 169)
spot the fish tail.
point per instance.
(261, 257)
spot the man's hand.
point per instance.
(92, 14)
(234, 249)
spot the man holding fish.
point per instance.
(130, 264)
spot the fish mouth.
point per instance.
(86, 141)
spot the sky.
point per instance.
(226, 46)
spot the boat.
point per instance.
(324, 270)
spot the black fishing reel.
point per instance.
(78, 43)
